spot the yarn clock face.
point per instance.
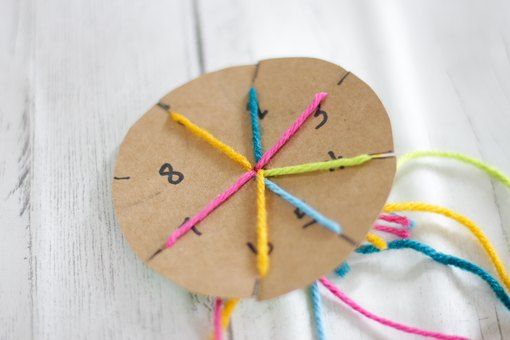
(164, 175)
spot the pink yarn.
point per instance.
(291, 131)
(402, 233)
(402, 220)
(218, 306)
(335, 291)
(221, 198)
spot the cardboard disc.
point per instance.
(164, 174)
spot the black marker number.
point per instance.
(324, 115)
(300, 215)
(174, 177)
(333, 157)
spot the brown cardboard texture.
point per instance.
(215, 258)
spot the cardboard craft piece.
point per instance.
(214, 258)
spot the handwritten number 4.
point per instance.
(300, 215)
(174, 177)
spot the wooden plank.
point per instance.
(98, 66)
(15, 173)
(442, 72)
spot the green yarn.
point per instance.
(491, 171)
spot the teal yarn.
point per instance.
(316, 299)
(305, 208)
(343, 269)
(255, 126)
(446, 260)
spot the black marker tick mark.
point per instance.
(164, 106)
(343, 78)
(348, 239)
(194, 228)
(127, 177)
(254, 249)
(261, 114)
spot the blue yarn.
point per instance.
(343, 269)
(305, 208)
(446, 260)
(315, 296)
(255, 127)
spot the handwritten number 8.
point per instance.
(174, 177)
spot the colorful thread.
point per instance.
(262, 232)
(316, 300)
(222, 315)
(291, 131)
(377, 241)
(445, 260)
(227, 311)
(398, 326)
(318, 166)
(305, 208)
(343, 269)
(218, 332)
(394, 218)
(213, 141)
(402, 221)
(284, 138)
(491, 171)
(402, 233)
(255, 126)
(475, 230)
(209, 208)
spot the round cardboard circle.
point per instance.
(164, 174)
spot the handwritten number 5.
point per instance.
(324, 115)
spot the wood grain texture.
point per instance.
(74, 75)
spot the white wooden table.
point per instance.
(74, 75)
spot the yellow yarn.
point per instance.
(213, 141)
(226, 313)
(262, 234)
(475, 230)
(377, 241)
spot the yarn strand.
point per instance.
(398, 326)
(305, 208)
(318, 166)
(473, 228)
(209, 208)
(489, 170)
(211, 140)
(377, 241)
(253, 103)
(291, 131)
(262, 232)
(316, 300)
(227, 311)
(446, 260)
(218, 331)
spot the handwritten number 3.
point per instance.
(174, 177)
